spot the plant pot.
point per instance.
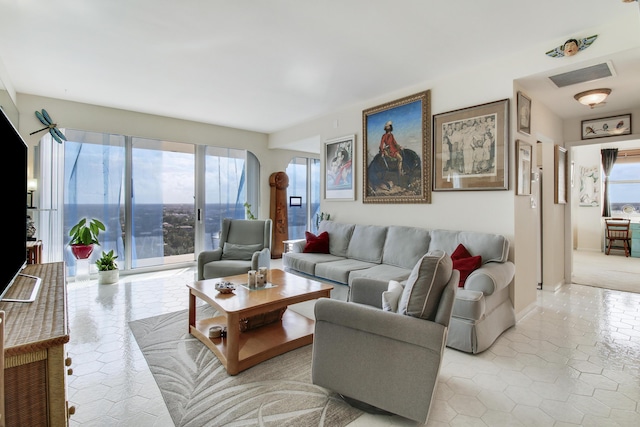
(108, 277)
(81, 251)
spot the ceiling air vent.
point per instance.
(583, 75)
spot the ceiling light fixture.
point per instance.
(592, 97)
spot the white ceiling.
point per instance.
(268, 65)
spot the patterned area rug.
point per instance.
(199, 392)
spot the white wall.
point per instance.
(109, 120)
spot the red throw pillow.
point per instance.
(464, 262)
(317, 244)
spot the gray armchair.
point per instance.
(244, 245)
(378, 358)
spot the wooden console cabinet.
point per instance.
(35, 360)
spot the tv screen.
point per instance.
(14, 176)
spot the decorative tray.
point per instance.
(225, 287)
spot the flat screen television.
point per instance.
(13, 169)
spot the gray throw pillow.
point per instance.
(422, 292)
(241, 252)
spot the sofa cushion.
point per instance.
(422, 292)
(316, 244)
(367, 242)
(339, 236)
(382, 272)
(404, 246)
(306, 263)
(391, 296)
(338, 271)
(491, 247)
(239, 252)
(464, 262)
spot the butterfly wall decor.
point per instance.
(45, 119)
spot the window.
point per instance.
(624, 182)
(156, 221)
(304, 182)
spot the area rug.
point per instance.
(198, 391)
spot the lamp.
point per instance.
(592, 97)
(32, 186)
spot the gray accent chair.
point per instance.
(378, 358)
(244, 245)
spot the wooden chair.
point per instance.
(618, 230)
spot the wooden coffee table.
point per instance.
(241, 350)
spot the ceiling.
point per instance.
(268, 65)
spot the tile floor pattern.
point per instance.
(573, 360)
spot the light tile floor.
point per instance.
(573, 360)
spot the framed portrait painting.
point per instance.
(396, 160)
(560, 178)
(523, 168)
(339, 168)
(470, 148)
(524, 114)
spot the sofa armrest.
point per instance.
(298, 246)
(261, 259)
(205, 257)
(367, 291)
(491, 277)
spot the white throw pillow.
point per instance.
(391, 296)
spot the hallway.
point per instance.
(615, 271)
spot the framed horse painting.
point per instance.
(396, 151)
(471, 148)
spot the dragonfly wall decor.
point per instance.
(45, 119)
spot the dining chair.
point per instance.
(617, 229)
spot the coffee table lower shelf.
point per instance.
(259, 344)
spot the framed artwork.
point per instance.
(523, 168)
(339, 168)
(589, 194)
(560, 178)
(524, 114)
(396, 163)
(606, 126)
(470, 148)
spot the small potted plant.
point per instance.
(107, 268)
(83, 236)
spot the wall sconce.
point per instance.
(593, 97)
(32, 186)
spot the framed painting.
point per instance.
(560, 178)
(470, 148)
(396, 163)
(523, 168)
(339, 168)
(524, 114)
(606, 126)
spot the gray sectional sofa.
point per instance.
(366, 257)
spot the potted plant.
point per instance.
(107, 268)
(83, 236)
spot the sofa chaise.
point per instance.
(367, 257)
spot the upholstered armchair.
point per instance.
(244, 245)
(388, 359)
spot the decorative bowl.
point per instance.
(225, 287)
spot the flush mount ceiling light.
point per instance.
(592, 97)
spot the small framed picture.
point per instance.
(339, 168)
(295, 201)
(560, 178)
(523, 168)
(606, 126)
(524, 114)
